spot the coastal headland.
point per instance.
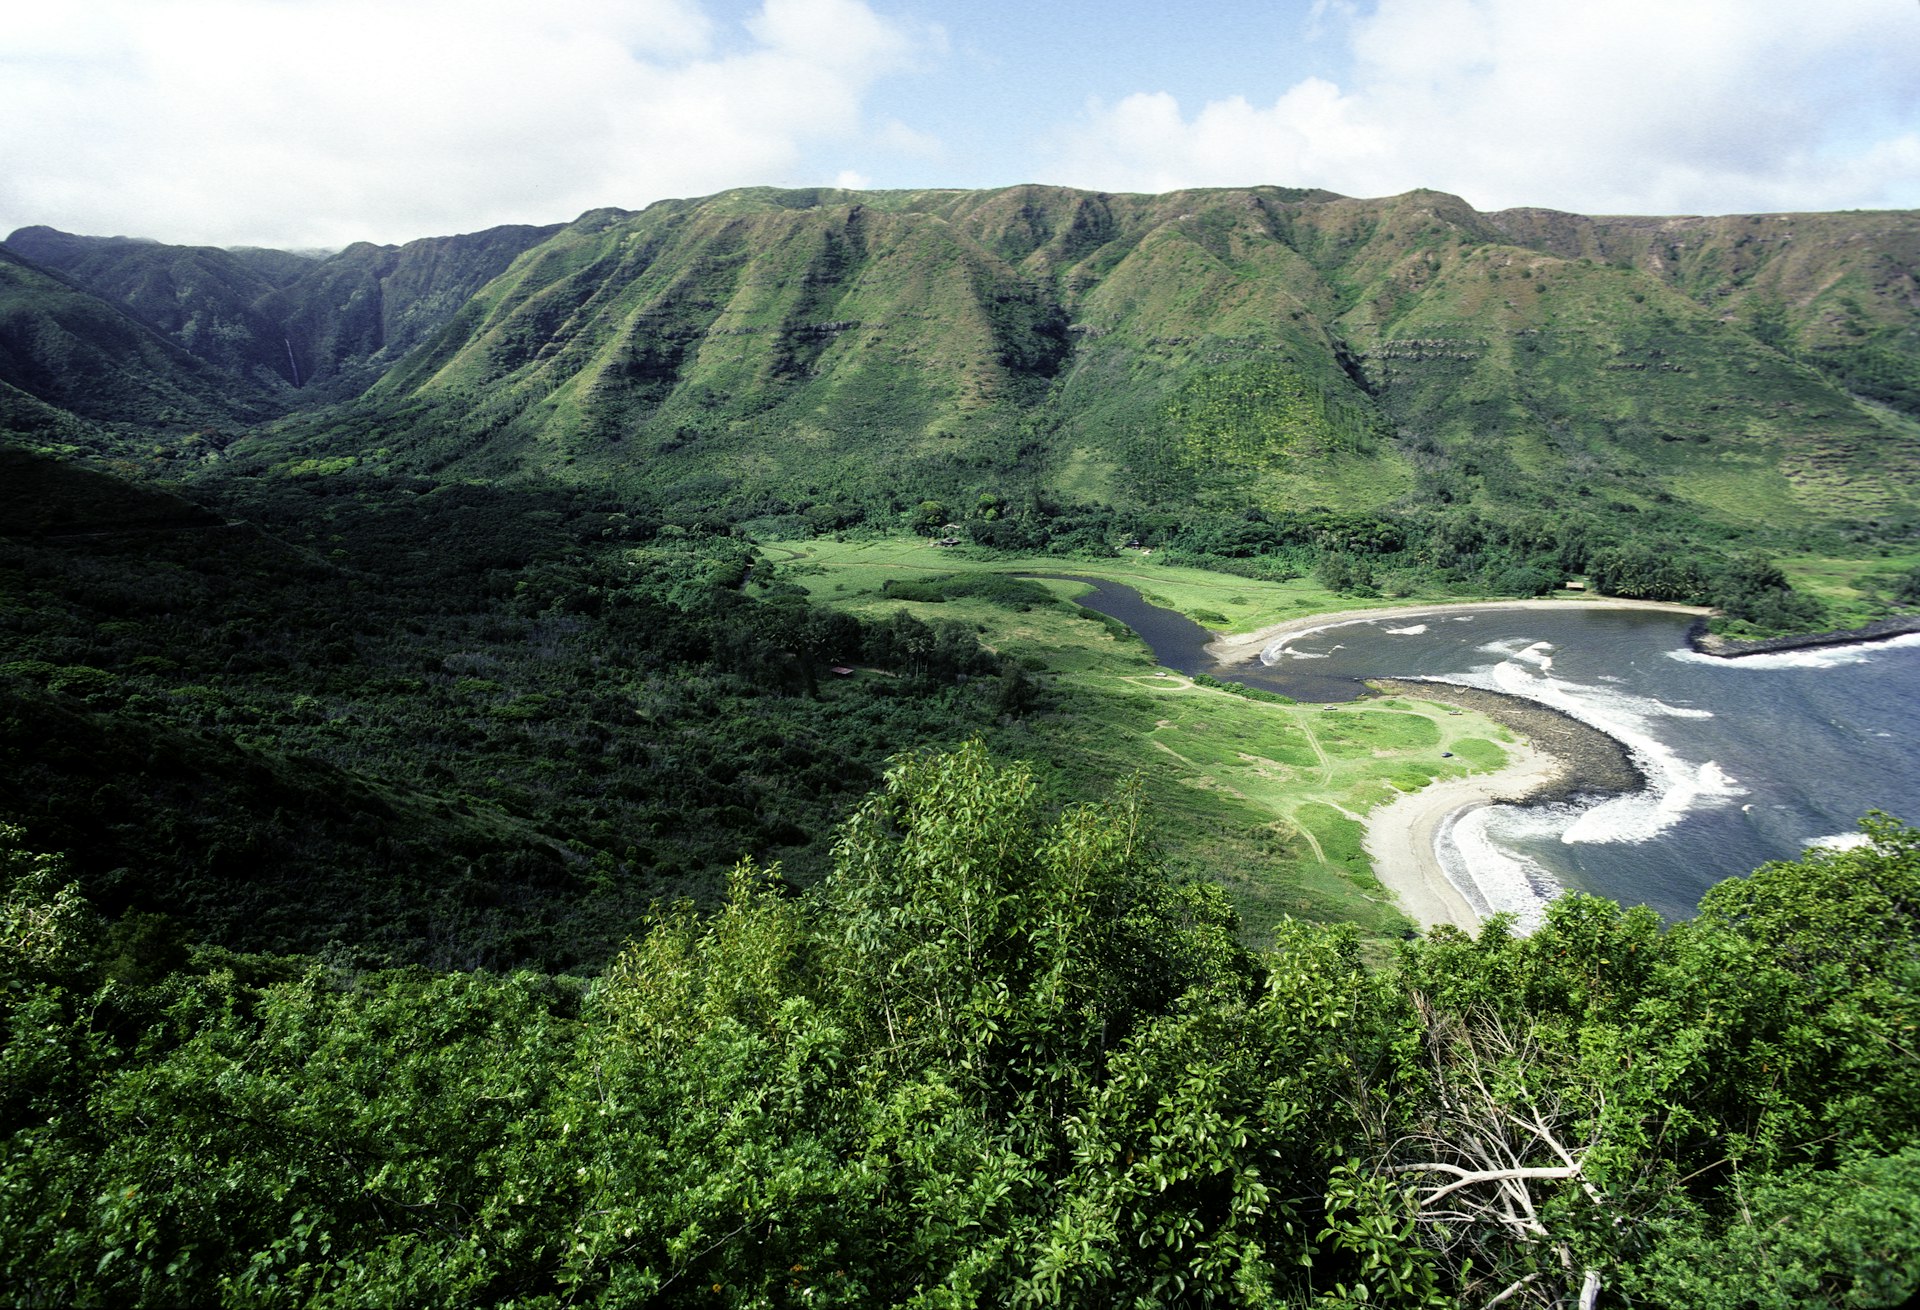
(1732, 648)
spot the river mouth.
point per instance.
(1180, 644)
(1686, 769)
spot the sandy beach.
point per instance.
(1248, 645)
(1401, 834)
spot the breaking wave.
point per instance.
(1840, 841)
(1675, 785)
(1820, 657)
(1482, 849)
(1477, 849)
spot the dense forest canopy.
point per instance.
(437, 724)
(997, 1056)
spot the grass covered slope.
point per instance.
(844, 354)
(1228, 348)
(1603, 380)
(206, 300)
(1250, 347)
(1836, 289)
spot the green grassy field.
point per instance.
(1855, 589)
(836, 570)
(1262, 796)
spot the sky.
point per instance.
(310, 124)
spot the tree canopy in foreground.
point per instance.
(997, 1057)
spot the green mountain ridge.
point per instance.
(1260, 348)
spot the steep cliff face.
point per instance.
(204, 300)
(68, 358)
(353, 315)
(325, 326)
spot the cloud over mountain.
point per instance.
(316, 122)
(1639, 106)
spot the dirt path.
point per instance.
(1320, 753)
(1312, 840)
(1161, 745)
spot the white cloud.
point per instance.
(1644, 106)
(896, 137)
(308, 122)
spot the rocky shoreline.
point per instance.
(1710, 643)
(1593, 763)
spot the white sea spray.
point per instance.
(1818, 657)
(1675, 786)
(1477, 851)
(1839, 841)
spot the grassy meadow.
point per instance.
(840, 571)
(1854, 589)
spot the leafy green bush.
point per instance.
(998, 1056)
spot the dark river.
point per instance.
(1747, 760)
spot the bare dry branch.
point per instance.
(1512, 1289)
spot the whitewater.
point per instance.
(1744, 760)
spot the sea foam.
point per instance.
(1475, 849)
(1818, 657)
(1839, 841)
(1283, 648)
(1675, 786)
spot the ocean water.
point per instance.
(1747, 760)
